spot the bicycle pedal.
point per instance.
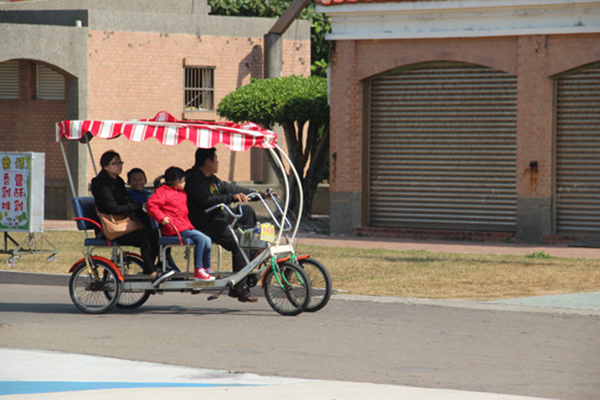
(213, 297)
(196, 291)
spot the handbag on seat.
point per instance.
(115, 226)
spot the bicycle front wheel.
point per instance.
(88, 287)
(320, 282)
(287, 288)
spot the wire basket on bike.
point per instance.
(258, 237)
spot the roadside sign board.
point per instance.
(22, 192)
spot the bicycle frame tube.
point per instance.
(288, 191)
(241, 274)
(62, 149)
(287, 188)
(300, 191)
(87, 142)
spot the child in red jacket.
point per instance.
(168, 206)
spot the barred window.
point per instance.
(199, 89)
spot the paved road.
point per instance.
(494, 348)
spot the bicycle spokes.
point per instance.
(283, 278)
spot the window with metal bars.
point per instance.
(199, 89)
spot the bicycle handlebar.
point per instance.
(226, 208)
(256, 196)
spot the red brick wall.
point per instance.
(534, 119)
(354, 61)
(27, 124)
(534, 59)
(566, 52)
(375, 57)
(346, 141)
(134, 75)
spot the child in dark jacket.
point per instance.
(168, 206)
(136, 178)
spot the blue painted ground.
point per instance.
(28, 387)
(45, 375)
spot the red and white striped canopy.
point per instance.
(170, 132)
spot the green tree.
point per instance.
(300, 106)
(320, 25)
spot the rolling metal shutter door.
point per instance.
(443, 149)
(50, 84)
(578, 152)
(9, 80)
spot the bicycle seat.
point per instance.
(85, 208)
(99, 242)
(174, 240)
(169, 240)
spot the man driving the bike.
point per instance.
(204, 190)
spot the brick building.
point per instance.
(475, 120)
(121, 60)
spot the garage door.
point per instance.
(578, 152)
(442, 148)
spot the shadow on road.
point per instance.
(60, 308)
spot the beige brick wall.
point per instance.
(134, 75)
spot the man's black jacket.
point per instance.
(206, 191)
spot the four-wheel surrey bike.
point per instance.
(291, 283)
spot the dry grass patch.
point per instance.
(378, 272)
(71, 249)
(423, 274)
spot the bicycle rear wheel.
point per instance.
(287, 288)
(88, 287)
(132, 299)
(320, 282)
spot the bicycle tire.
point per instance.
(287, 290)
(320, 282)
(132, 299)
(87, 290)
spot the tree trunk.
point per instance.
(315, 151)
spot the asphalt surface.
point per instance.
(543, 347)
(358, 347)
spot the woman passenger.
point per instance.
(110, 196)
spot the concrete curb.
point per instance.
(553, 305)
